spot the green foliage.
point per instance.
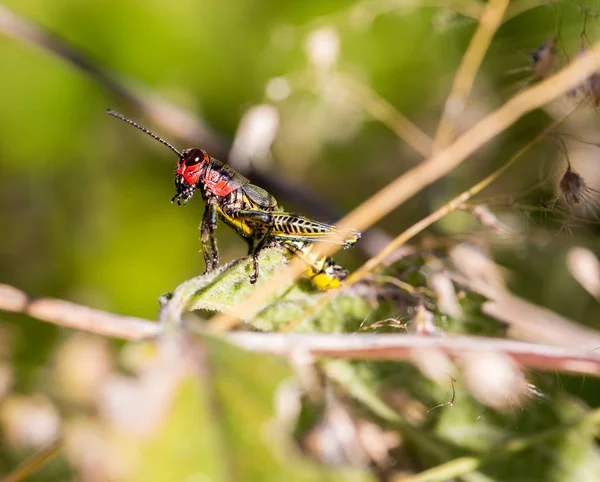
(225, 288)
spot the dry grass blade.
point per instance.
(489, 22)
(33, 464)
(445, 161)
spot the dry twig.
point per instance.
(353, 346)
(75, 316)
(450, 206)
(402, 347)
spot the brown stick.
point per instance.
(352, 346)
(75, 316)
(403, 347)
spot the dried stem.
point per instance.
(396, 347)
(445, 161)
(452, 205)
(353, 346)
(75, 316)
(489, 22)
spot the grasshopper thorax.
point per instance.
(190, 166)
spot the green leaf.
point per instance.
(224, 289)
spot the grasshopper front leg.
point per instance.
(207, 234)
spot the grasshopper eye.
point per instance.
(194, 156)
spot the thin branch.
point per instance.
(450, 206)
(75, 316)
(351, 346)
(403, 347)
(489, 22)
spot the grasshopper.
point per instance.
(252, 212)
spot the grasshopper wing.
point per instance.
(288, 226)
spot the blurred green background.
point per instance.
(84, 198)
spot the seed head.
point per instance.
(572, 187)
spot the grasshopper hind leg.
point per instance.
(263, 243)
(326, 274)
(323, 272)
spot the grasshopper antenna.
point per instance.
(143, 129)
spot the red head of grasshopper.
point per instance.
(191, 166)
